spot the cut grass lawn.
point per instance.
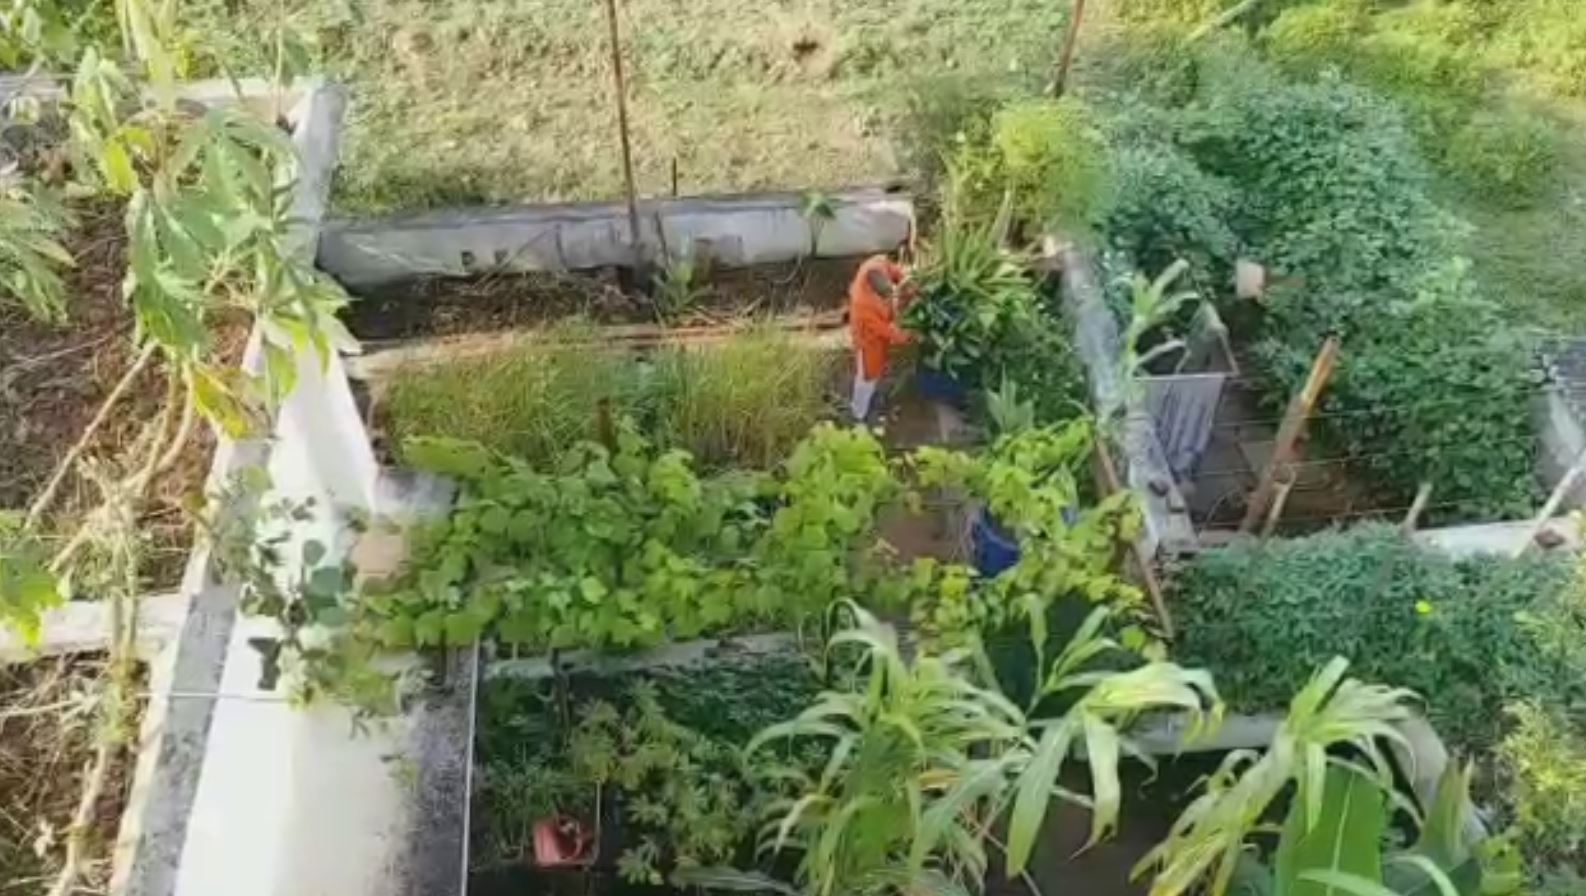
(742, 402)
(511, 100)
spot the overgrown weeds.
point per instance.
(744, 401)
(49, 715)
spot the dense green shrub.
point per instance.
(1507, 157)
(1330, 191)
(1433, 389)
(1465, 634)
(1165, 208)
(1335, 190)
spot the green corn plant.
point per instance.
(1204, 847)
(1342, 853)
(921, 762)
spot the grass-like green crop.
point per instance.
(741, 402)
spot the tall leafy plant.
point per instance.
(922, 760)
(1206, 843)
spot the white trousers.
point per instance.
(864, 393)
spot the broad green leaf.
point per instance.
(1345, 840)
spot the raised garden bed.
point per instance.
(49, 725)
(55, 377)
(502, 301)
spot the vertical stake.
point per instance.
(674, 177)
(1286, 479)
(1066, 56)
(1300, 407)
(1111, 484)
(622, 127)
(605, 429)
(1417, 507)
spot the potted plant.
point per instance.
(972, 296)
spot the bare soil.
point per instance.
(48, 723)
(53, 379)
(451, 306)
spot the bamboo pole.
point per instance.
(1417, 507)
(1553, 501)
(1300, 407)
(1153, 586)
(1285, 484)
(1066, 55)
(622, 128)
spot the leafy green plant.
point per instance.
(1029, 481)
(681, 286)
(1340, 849)
(1053, 161)
(1472, 635)
(1543, 762)
(688, 796)
(972, 295)
(27, 589)
(1207, 841)
(629, 548)
(921, 760)
(1007, 410)
(31, 255)
(1165, 208)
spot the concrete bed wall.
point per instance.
(236, 790)
(730, 230)
(1098, 342)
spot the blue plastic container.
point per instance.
(995, 549)
(939, 386)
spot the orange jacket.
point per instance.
(871, 319)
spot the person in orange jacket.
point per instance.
(876, 297)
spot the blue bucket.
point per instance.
(995, 550)
(939, 386)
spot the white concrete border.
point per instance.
(731, 230)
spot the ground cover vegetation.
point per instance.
(742, 402)
(1491, 644)
(800, 96)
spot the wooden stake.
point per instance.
(1285, 484)
(622, 127)
(1417, 507)
(1066, 56)
(1153, 587)
(1553, 501)
(1294, 418)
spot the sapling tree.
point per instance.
(208, 196)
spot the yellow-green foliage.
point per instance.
(1545, 762)
(1544, 39)
(745, 401)
(1048, 156)
(1185, 11)
(1504, 156)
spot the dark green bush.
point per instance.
(1469, 635)
(1166, 208)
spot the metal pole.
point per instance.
(622, 127)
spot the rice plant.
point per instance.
(741, 402)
